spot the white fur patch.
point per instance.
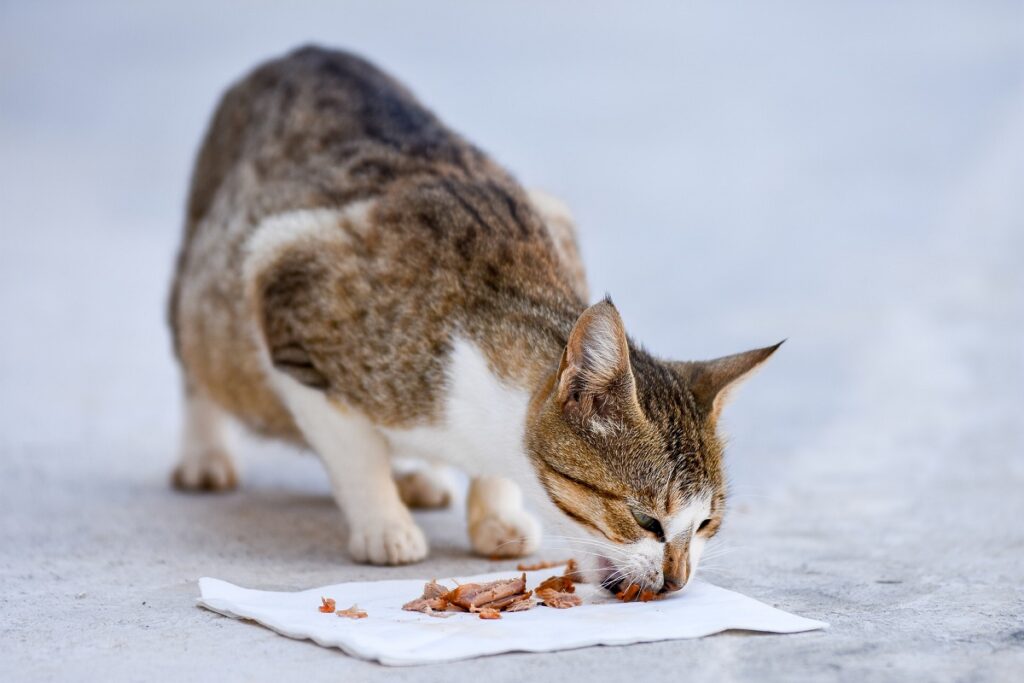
(276, 233)
(356, 456)
(643, 561)
(642, 564)
(601, 351)
(549, 206)
(688, 517)
(483, 422)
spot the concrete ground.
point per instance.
(844, 174)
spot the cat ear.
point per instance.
(595, 380)
(711, 381)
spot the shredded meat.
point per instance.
(635, 592)
(327, 605)
(504, 603)
(558, 592)
(352, 612)
(431, 602)
(522, 603)
(573, 573)
(472, 595)
(558, 599)
(434, 590)
(485, 599)
(562, 584)
(628, 593)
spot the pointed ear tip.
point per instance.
(769, 351)
(604, 307)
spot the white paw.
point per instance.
(510, 533)
(213, 470)
(424, 489)
(379, 541)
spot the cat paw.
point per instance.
(214, 470)
(396, 541)
(512, 533)
(424, 489)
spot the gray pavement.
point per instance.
(846, 175)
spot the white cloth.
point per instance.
(394, 637)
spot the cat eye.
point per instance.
(703, 525)
(648, 523)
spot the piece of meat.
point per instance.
(558, 599)
(433, 589)
(431, 601)
(573, 573)
(647, 595)
(493, 597)
(326, 605)
(426, 605)
(561, 584)
(628, 593)
(558, 592)
(522, 603)
(352, 612)
(503, 603)
(523, 567)
(470, 595)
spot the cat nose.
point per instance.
(676, 568)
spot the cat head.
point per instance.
(626, 446)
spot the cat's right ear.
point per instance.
(595, 380)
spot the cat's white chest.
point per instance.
(483, 422)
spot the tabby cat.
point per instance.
(358, 279)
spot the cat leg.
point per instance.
(356, 457)
(499, 526)
(205, 463)
(427, 485)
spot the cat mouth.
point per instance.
(611, 579)
(609, 575)
(613, 586)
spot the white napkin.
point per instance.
(394, 637)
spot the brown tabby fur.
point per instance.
(452, 246)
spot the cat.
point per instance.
(357, 279)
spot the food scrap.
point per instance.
(523, 567)
(634, 592)
(352, 612)
(628, 593)
(573, 573)
(485, 599)
(475, 595)
(558, 592)
(327, 605)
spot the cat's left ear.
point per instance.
(595, 380)
(711, 381)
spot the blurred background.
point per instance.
(847, 175)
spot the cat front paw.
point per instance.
(509, 533)
(208, 470)
(388, 542)
(425, 489)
